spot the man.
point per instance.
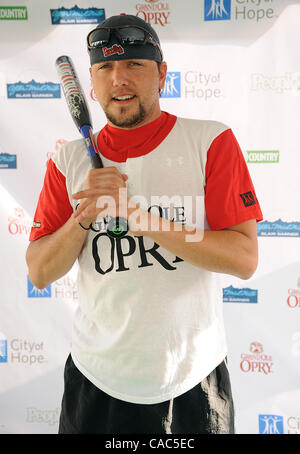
(149, 348)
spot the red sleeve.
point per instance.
(229, 192)
(54, 208)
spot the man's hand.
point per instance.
(101, 195)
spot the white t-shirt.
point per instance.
(149, 326)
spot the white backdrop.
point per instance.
(236, 61)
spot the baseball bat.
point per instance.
(78, 107)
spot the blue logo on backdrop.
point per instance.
(34, 292)
(217, 10)
(8, 161)
(172, 87)
(278, 228)
(32, 89)
(270, 424)
(239, 295)
(3, 351)
(75, 15)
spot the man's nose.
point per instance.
(120, 76)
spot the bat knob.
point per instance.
(117, 227)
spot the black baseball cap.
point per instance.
(118, 49)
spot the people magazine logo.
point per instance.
(239, 295)
(13, 13)
(48, 417)
(287, 83)
(76, 15)
(19, 223)
(278, 228)
(33, 90)
(293, 298)
(256, 361)
(154, 12)
(239, 10)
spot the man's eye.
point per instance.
(106, 65)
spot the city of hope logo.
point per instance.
(65, 288)
(270, 424)
(217, 10)
(3, 348)
(172, 87)
(33, 292)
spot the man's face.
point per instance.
(128, 90)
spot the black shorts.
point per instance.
(205, 409)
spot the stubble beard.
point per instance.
(123, 121)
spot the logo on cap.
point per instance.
(115, 49)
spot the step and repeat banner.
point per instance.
(234, 61)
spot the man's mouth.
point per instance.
(123, 98)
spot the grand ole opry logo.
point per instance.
(256, 360)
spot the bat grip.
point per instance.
(116, 227)
(87, 133)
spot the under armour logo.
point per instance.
(179, 160)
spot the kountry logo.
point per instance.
(262, 157)
(13, 13)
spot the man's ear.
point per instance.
(162, 75)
